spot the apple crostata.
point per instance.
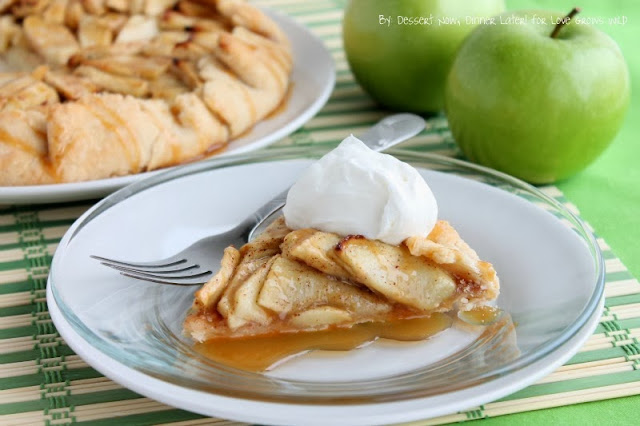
(306, 280)
(92, 89)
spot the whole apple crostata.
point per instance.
(305, 280)
(92, 89)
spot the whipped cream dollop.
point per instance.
(354, 190)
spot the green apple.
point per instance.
(538, 107)
(400, 51)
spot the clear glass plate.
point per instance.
(551, 271)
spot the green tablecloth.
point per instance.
(41, 379)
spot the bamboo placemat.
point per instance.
(43, 382)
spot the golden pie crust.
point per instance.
(306, 280)
(91, 89)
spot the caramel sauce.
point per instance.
(49, 168)
(277, 56)
(282, 81)
(176, 154)
(481, 315)
(242, 134)
(259, 353)
(251, 106)
(18, 144)
(282, 106)
(214, 149)
(107, 119)
(21, 145)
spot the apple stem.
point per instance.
(564, 21)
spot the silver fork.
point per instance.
(197, 263)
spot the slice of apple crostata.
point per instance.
(305, 280)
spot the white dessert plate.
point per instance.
(312, 81)
(551, 274)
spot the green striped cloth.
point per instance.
(43, 382)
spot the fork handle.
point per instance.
(392, 130)
(386, 133)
